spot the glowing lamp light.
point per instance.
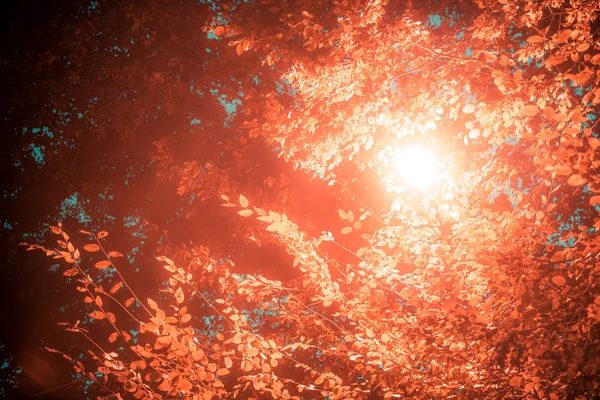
(417, 166)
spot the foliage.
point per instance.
(484, 286)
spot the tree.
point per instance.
(483, 286)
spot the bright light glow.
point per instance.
(417, 166)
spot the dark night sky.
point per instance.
(26, 28)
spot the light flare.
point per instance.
(417, 166)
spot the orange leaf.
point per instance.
(102, 264)
(407, 292)
(115, 254)
(198, 355)
(115, 287)
(91, 248)
(152, 304)
(219, 30)
(113, 337)
(515, 381)
(530, 110)
(97, 315)
(594, 200)
(138, 365)
(222, 372)
(558, 280)
(165, 386)
(102, 234)
(71, 272)
(576, 180)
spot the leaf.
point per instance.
(115, 254)
(245, 213)
(102, 264)
(530, 110)
(138, 365)
(153, 305)
(92, 248)
(102, 234)
(219, 30)
(165, 386)
(113, 337)
(198, 355)
(71, 272)
(594, 200)
(222, 372)
(576, 180)
(244, 201)
(469, 109)
(529, 387)
(97, 315)
(407, 292)
(535, 39)
(115, 287)
(596, 59)
(228, 363)
(346, 230)
(515, 381)
(558, 280)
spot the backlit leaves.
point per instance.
(530, 110)
(469, 109)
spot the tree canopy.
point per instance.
(257, 147)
